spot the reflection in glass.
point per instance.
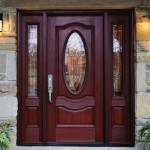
(75, 63)
(32, 60)
(117, 59)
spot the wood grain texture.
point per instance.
(75, 103)
(93, 114)
(118, 115)
(75, 134)
(68, 108)
(31, 107)
(82, 116)
(118, 122)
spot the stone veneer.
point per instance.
(8, 88)
(142, 63)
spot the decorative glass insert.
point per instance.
(32, 59)
(117, 59)
(75, 63)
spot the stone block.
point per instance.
(147, 67)
(12, 47)
(7, 9)
(8, 34)
(6, 23)
(3, 59)
(140, 77)
(143, 57)
(13, 138)
(143, 28)
(145, 2)
(12, 21)
(11, 67)
(1, 3)
(9, 21)
(7, 40)
(8, 107)
(142, 11)
(141, 121)
(143, 105)
(2, 77)
(8, 89)
(143, 46)
(148, 78)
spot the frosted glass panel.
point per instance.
(117, 59)
(32, 60)
(75, 63)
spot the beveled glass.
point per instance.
(75, 63)
(32, 59)
(117, 59)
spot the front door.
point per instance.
(75, 77)
(75, 61)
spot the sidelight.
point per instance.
(117, 59)
(75, 63)
(32, 60)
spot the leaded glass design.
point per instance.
(117, 59)
(75, 63)
(32, 60)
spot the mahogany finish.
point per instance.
(68, 109)
(29, 107)
(119, 121)
(93, 115)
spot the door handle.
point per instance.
(50, 87)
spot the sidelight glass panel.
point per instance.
(32, 60)
(117, 59)
(75, 63)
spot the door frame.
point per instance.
(105, 13)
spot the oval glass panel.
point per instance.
(75, 63)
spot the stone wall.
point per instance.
(8, 47)
(8, 88)
(142, 65)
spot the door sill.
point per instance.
(77, 144)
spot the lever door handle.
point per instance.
(50, 87)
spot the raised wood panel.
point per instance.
(75, 134)
(33, 117)
(32, 102)
(118, 116)
(118, 101)
(119, 135)
(83, 116)
(75, 103)
(32, 135)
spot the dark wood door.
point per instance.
(75, 59)
(90, 56)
